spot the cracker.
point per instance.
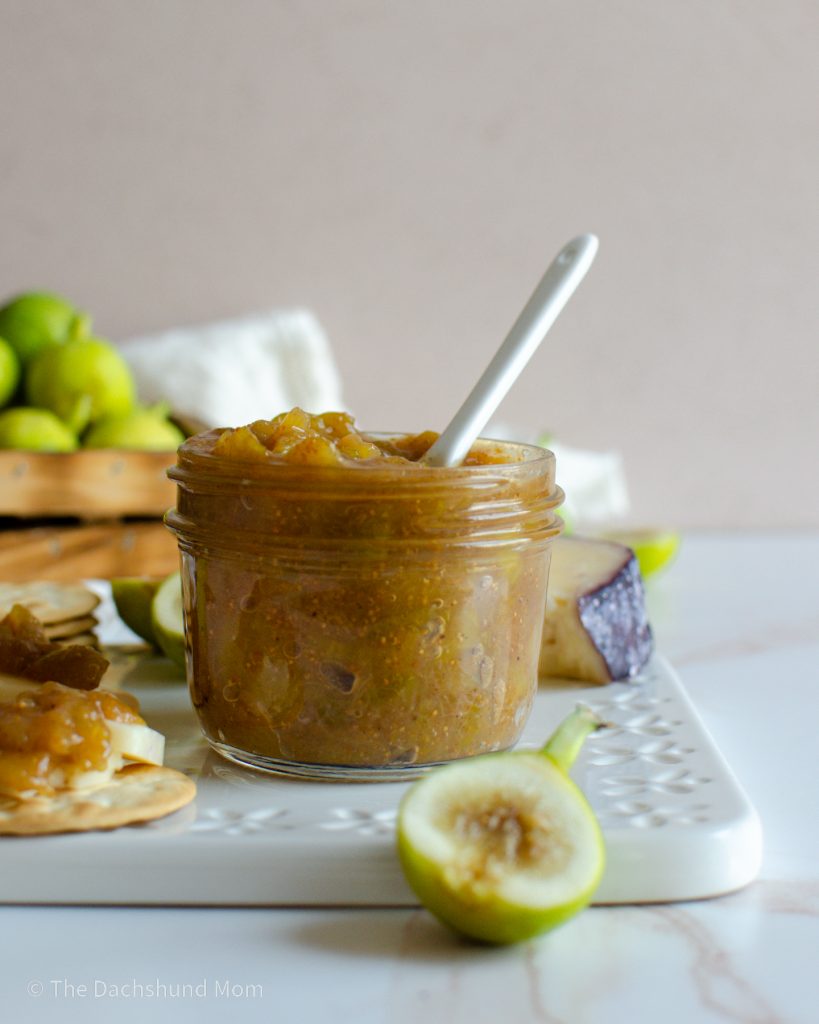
(71, 627)
(139, 792)
(50, 602)
(83, 639)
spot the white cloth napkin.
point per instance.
(233, 372)
(594, 482)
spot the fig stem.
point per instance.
(564, 744)
(79, 327)
(80, 413)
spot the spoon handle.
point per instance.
(565, 273)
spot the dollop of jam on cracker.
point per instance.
(51, 735)
(53, 728)
(73, 757)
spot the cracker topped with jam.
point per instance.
(73, 756)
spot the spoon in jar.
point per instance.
(556, 287)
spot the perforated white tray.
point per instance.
(676, 823)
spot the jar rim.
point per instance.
(266, 502)
(192, 457)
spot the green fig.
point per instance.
(503, 847)
(133, 597)
(167, 619)
(654, 548)
(32, 321)
(35, 430)
(9, 371)
(145, 429)
(81, 381)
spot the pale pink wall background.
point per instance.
(408, 169)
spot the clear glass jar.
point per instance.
(366, 622)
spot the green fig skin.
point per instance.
(32, 321)
(10, 372)
(80, 381)
(172, 646)
(133, 596)
(490, 919)
(139, 430)
(173, 649)
(482, 914)
(35, 430)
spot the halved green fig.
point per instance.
(133, 597)
(654, 548)
(504, 846)
(167, 619)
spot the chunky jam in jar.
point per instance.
(330, 439)
(351, 612)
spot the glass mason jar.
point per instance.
(362, 622)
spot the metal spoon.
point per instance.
(565, 273)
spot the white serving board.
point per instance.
(677, 825)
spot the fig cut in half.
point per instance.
(503, 847)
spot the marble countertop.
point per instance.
(738, 615)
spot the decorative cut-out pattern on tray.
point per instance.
(640, 773)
